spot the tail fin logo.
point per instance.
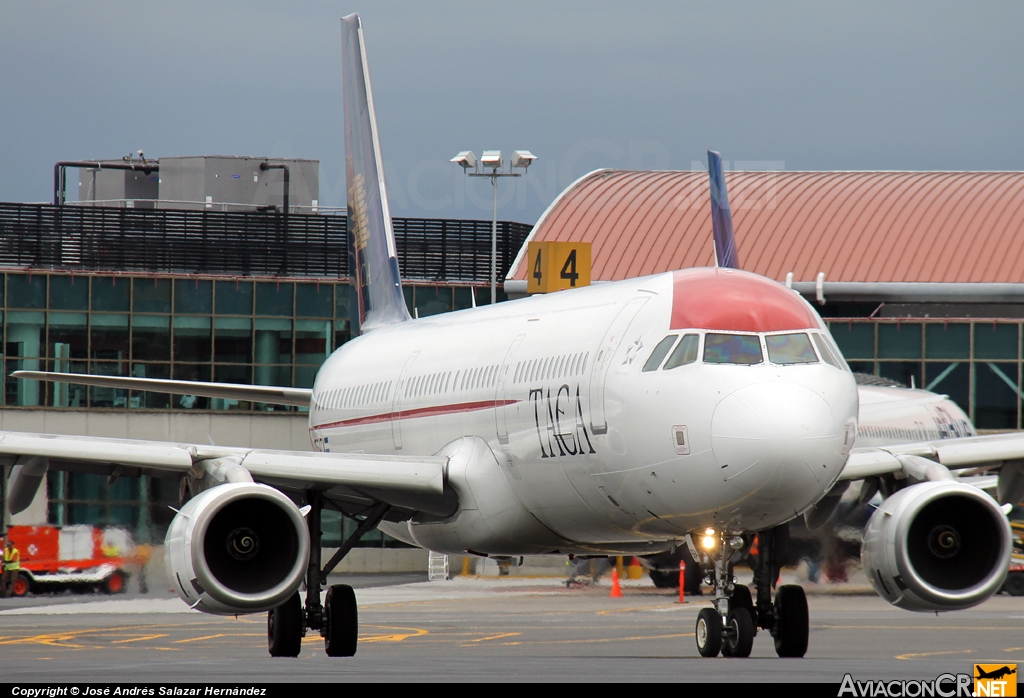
(376, 282)
(357, 211)
(721, 215)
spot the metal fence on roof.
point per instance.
(80, 238)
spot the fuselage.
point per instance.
(891, 415)
(631, 411)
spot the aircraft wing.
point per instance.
(231, 391)
(354, 481)
(977, 453)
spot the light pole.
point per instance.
(491, 159)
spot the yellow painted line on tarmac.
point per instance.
(598, 640)
(204, 637)
(494, 637)
(138, 639)
(398, 636)
(917, 655)
(214, 637)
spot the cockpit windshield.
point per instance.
(685, 353)
(732, 349)
(790, 349)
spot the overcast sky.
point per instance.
(772, 85)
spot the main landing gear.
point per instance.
(337, 618)
(730, 626)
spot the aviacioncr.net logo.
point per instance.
(944, 686)
(995, 680)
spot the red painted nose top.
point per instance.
(710, 298)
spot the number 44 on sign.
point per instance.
(555, 266)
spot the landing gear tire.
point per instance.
(664, 579)
(1014, 585)
(284, 628)
(341, 621)
(741, 598)
(709, 632)
(792, 623)
(740, 639)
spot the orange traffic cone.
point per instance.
(616, 589)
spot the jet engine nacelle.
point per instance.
(937, 546)
(490, 518)
(237, 548)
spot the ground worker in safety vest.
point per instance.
(12, 563)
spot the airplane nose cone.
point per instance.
(777, 442)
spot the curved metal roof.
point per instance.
(954, 227)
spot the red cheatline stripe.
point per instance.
(419, 412)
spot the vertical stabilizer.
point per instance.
(373, 262)
(721, 215)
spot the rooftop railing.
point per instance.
(238, 243)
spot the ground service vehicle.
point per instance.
(80, 558)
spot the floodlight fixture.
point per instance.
(491, 159)
(466, 159)
(492, 162)
(522, 158)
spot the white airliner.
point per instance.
(693, 408)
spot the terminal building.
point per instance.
(920, 276)
(229, 288)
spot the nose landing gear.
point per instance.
(730, 626)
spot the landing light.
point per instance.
(709, 542)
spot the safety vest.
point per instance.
(12, 559)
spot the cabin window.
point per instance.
(660, 352)
(685, 352)
(742, 349)
(792, 348)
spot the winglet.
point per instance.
(373, 262)
(721, 215)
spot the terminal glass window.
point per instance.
(193, 297)
(151, 337)
(110, 293)
(314, 300)
(274, 299)
(234, 297)
(151, 296)
(995, 341)
(947, 341)
(69, 292)
(26, 291)
(899, 341)
(232, 341)
(732, 349)
(996, 394)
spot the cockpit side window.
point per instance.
(658, 355)
(685, 352)
(790, 349)
(732, 349)
(825, 352)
